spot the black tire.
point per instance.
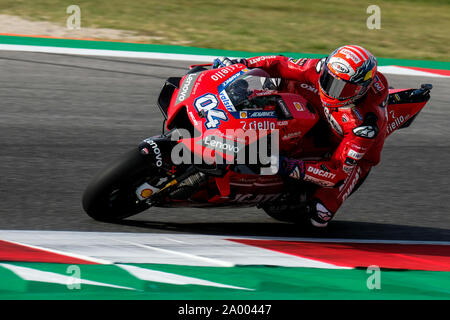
(110, 196)
(287, 213)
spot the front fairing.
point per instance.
(223, 122)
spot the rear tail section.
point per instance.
(404, 105)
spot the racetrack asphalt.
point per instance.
(63, 117)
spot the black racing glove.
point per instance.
(292, 168)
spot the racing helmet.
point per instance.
(346, 75)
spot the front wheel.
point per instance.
(110, 196)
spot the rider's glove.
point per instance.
(292, 168)
(225, 62)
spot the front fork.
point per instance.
(174, 181)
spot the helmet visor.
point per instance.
(339, 89)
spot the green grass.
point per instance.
(415, 29)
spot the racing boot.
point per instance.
(319, 214)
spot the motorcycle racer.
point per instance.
(351, 96)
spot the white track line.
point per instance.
(217, 262)
(408, 72)
(186, 237)
(108, 53)
(174, 57)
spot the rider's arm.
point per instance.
(282, 67)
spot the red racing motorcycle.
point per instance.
(225, 130)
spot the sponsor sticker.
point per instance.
(355, 155)
(298, 106)
(299, 62)
(217, 143)
(334, 124)
(156, 151)
(398, 121)
(262, 114)
(191, 115)
(258, 125)
(259, 59)
(321, 173)
(255, 198)
(350, 55)
(309, 87)
(206, 105)
(358, 148)
(226, 101)
(223, 73)
(357, 113)
(344, 118)
(291, 135)
(318, 181)
(378, 85)
(352, 184)
(368, 132)
(227, 82)
(347, 169)
(320, 64)
(145, 191)
(350, 161)
(186, 87)
(339, 67)
(254, 114)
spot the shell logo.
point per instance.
(145, 193)
(298, 106)
(243, 114)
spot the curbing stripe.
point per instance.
(12, 41)
(269, 283)
(77, 258)
(353, 255)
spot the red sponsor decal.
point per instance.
(15, 252)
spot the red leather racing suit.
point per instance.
(359, 129)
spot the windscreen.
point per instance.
(252, 90)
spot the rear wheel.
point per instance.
(111, 195)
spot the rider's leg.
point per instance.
(327, 201)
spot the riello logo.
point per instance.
(398, 121)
